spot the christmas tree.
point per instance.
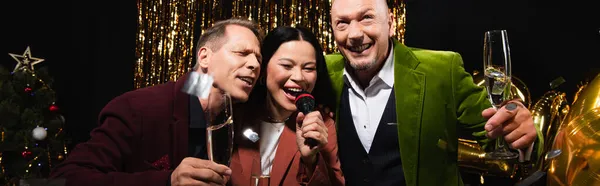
(31, 126)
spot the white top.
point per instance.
(269, 140)
(367, 105)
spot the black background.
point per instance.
(89, 46)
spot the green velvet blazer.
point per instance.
(436, 103)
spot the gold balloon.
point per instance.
(548, 113)
(471, 158)
(578, 139)
(586, 98)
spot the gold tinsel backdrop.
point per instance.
(168, 29)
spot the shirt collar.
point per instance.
(386, 74)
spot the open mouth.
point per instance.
(360, 48)
(248, 80)
(293, 91)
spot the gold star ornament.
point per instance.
(25, 62)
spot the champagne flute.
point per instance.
(258, 176)
(219, 131)
(497, 71)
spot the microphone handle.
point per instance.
(310, 141)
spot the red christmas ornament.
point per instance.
(28, 89)
(26, 154)
(53, 108)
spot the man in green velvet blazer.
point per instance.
(436, 100)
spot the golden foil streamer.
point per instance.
(1, 167)
(165, 37)
(164, 40)
(49, 157)
(398, 9)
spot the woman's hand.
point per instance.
(310, 126)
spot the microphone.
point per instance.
(305, 103)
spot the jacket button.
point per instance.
(365, 161)
(366, 180)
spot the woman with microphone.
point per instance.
(293, 148)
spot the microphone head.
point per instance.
(305, 102)
(304, 95)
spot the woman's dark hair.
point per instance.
(323, 90)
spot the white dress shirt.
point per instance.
(367, 105)
(269, 140)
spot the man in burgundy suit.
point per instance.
(143, 134)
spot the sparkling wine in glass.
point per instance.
(497, 67)
(258, 177)
(219, 131)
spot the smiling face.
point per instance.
(236, 65)
(362, 29)
(291, 70)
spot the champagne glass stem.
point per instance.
(501, 143)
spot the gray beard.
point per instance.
(358, 67)
(361, 67)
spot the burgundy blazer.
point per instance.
(287, 169)
(142, 136)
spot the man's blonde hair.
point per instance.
(214, 39)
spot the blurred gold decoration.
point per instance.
(13, 182)
(49, 157)
(60, 130)
(548, 113)
(167, 30)
(518, 88)
(60, 157)
(579, 141)
(471, 158)
(25, 62)
(30, 165)
(1, 168)
(2, 138)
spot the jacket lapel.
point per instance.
(247, 157)
(179, 128)
(409, 104)
(286, 151)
